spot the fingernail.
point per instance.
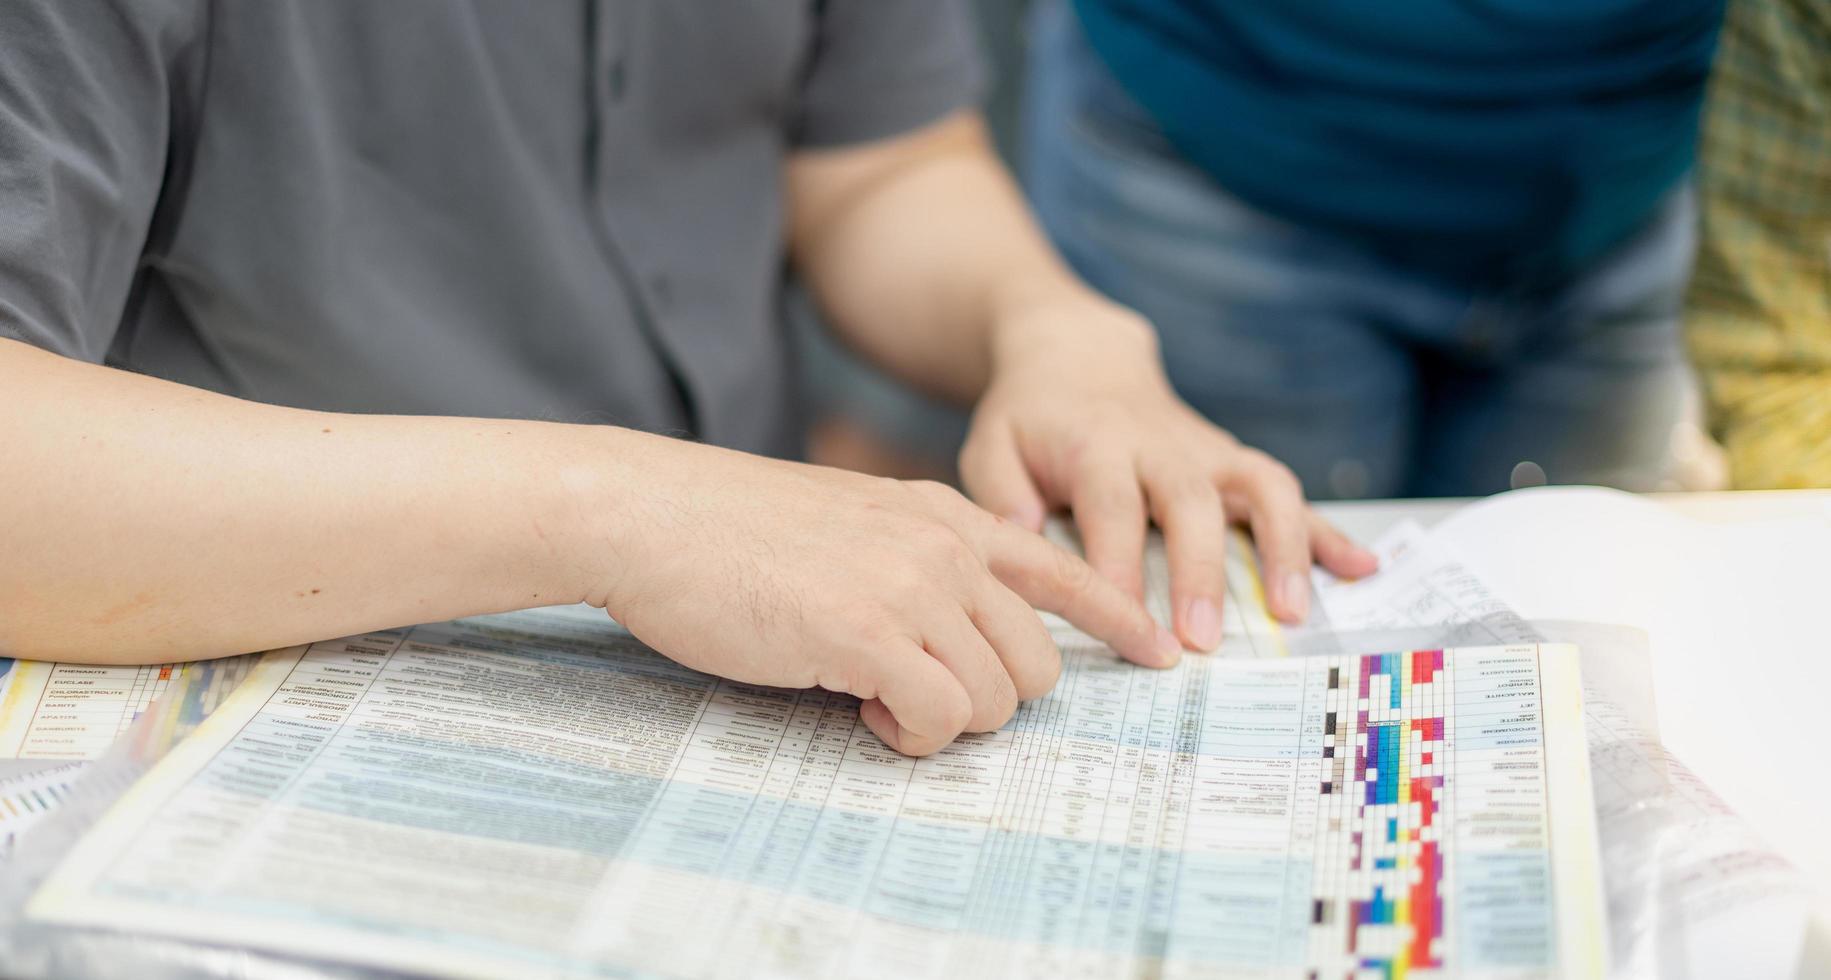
(1027, 516)
(1296, 597)
(1168, 648)
(1202, 621)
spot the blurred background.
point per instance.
(860, 419)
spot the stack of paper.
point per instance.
(525, 793)
(56, 717)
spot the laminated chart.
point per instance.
(60, 711)
(528, 794)
(73, 711)
(26, 797)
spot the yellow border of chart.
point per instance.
(1249, 555)
(15, 715)
(1581, 909)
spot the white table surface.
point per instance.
(1367, 519)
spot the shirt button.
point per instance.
(616, 80)
(661, 290)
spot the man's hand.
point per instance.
(165, 522)
(925, 259)
(1078, 414)
(903, 594)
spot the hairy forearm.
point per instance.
(144, 521)
(921, 249)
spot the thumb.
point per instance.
(993, 472)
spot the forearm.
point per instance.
(924, 256)
(146, 521)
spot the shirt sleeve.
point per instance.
(1759, 322)
(85, 116)
(883, 67)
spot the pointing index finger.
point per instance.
(1050, 578)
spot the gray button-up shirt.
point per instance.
(511, 208)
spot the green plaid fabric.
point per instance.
(1760, 304)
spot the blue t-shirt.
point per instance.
(1490, 142)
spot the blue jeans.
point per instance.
(1366, 379)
